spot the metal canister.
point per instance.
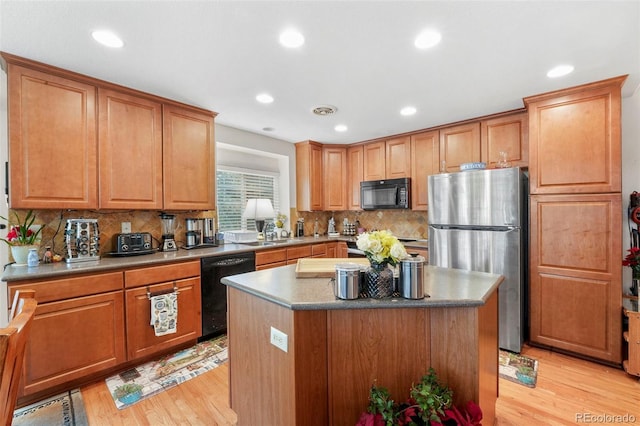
(411, 278)
(348, 281)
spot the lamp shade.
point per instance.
(259, 208)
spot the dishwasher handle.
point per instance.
(229, 262)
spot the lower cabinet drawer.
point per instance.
(72, 339)
(141, 338)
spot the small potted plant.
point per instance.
(128, 393)
(22, 236)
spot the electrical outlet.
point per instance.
(126, 227)
(279, 339)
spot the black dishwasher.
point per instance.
(214, 293)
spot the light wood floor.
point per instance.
(567, 388)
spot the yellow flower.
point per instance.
(381, 247)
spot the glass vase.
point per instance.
(378, 281)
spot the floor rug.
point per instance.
(149, 379)
(66, 409)
(518, 368)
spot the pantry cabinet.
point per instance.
(460, 144)
(309, 176)
(334, 178)
(576, 205)
(189, 175)
(424, 162)
(81, 323)
(130, 128)
(509, 134)
(52, 134)
(355, 175)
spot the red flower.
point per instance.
(368, 419)
(633, 258)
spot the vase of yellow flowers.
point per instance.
(22, 237)
(383, 250)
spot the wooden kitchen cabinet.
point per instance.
(334, 178)
(341, 250)
(355, 175)
(632, 338)
(398, 158)
(80, 319)
(575, 141)
(424, 162)
(273, 258)
(130, 129)
(375, 161)
(188, 159)
(309, 176)
(575, 273)
(460, 144)
(508, 133)
(332, 249)
(52, 140)
(140, 284)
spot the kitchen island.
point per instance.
(300, 356)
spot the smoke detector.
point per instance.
(324, 110)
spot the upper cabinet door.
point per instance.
(130, 145)
(189, 159)
(460, 144)
(398, 158)
(374, 161)
(575, 142)
(52, 141)
(309, 176)
(355, 175)
(507, 134)
(335, 176)
(424, 162)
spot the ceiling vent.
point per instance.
(324, 110)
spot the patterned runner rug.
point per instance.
(518, 368)
(151, 378)
(66, 409)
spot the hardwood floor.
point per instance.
(567, 388)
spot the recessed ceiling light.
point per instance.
(427, 39)
(340, 128)
(107, 38)
(264, 98)
(559, 71)
(291, 38)
(409, 110)
(324, 110)
(268, 129)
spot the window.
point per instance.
(235, 187)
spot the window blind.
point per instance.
(234, 188)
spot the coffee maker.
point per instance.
(200, 232)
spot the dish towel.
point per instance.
(164, 313)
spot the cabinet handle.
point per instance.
(175, 291)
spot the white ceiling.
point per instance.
(358, 56)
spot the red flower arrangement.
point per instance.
(632, 259)
(22, 234)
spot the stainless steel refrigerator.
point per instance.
(478, 220)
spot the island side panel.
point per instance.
(389, 347)
(267, 385)
(464, 353)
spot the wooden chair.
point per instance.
(13, 340)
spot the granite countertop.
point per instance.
(106, 262)
(444, 287)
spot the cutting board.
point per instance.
(324, 267)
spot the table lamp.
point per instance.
(259, 209)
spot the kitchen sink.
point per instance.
(270, 243)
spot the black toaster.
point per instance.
(132, 243)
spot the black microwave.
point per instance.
(385, 194)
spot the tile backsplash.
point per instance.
(402, 223)
(109, 223)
